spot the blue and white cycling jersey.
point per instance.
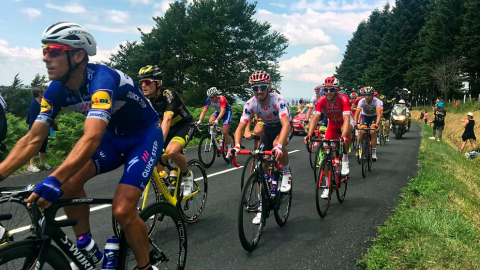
(106, 94)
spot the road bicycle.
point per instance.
(257, 198)
(366, 151)
(169, 189)
(329, 177)
(382, 132)
(312, 149)
(212, 145)
(250, 162)
(167, 240)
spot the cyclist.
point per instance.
(313, 102)
(387, 108)
(258, 122)
(336, 108)
(222, 111)
(120, 126)
(277, 125)
(371, 111)
(177, 122)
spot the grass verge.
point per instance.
(436, 223)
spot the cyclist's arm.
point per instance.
(379, 116)
(167, 120)
(24, 149)
(204, 112)
(221, 114)
(309, 112)
(83, 151)
(346, 124)
(313, 123)
(357, 114)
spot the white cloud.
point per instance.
(32, 13)
(161, 8)
(72, 8)
(338, 5)
(117, 16)
(312, 66)
(307, 28)
(23, 60)
(124, 29)
(278, 5)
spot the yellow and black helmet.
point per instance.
(152, 72)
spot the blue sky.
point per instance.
(318, 31)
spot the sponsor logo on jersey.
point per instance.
(102, 154)
(151, 161)
(282, 106)
(132, 162)
(101, 100)
(138, 99)
(247, 111)
(45, 106)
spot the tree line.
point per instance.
(428, 46)
(204, 44)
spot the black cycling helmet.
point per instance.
(152, 72)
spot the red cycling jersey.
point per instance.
(334, 113)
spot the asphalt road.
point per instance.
(306, 241)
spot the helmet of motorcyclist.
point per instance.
(401, 101)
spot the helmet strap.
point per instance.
(71, 68)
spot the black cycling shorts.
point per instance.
(181, 133)
(270, 133)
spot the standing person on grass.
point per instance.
(425, 117)
(469, 133)
(33, 112)
(439, 121)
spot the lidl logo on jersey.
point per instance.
(101, 100)
(45, 106)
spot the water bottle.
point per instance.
(111, 253)
(164, 177)
(269, 181)
(173, 180)
(87, 247)
(336, 161)
(273, 192)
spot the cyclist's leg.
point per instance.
(181, 135)
(258, 128)
(287, 176)
(227, 120)
(144, 145)
(213, 117)
(105, 159)
(387, 122)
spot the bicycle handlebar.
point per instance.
(248, 152)
(5, 217)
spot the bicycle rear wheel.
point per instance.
(168, 241)
(247, 169)
(323, 183)
(364, 156)
(207, 150)
(23, 255)
(283, 203)
(384, 135)
(252, 197)
(192, 208)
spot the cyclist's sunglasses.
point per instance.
(333, 89)
(55, 50)
(262, 87)
(147, 82)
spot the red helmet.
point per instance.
(331, 82)
(318, 88)
(260, 76)
(353, 95)
(375, 94)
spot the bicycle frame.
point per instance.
(330, 148)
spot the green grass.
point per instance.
(436, 223)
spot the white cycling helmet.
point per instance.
(401, 101)
(212, 91)
(71, 34)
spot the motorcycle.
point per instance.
(400, 121)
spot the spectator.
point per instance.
(33, 112)
(425, 117)
(3, 124)
(469, 133)
(300, 105)
(421, 115)
(439, 121)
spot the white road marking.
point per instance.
(93, 209)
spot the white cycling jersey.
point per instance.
(313, 101)
(271, 114)
(370, 109)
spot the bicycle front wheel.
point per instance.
(191, 208)
(23, 255)
(251, 205)
(318, 160)
(20, 225)
(370, 161)
(324, 187)
(207, 150)
(247, 169)
(168, 241)
(342, 189)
